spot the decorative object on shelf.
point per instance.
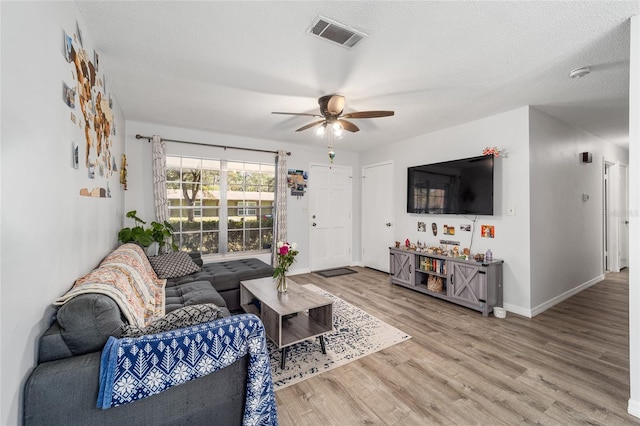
(407, 243)
(286, 255)
(491, 151)
(479, 257)
(488, 255)
(435, 284)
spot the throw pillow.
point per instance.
(174, 264)
(180, 318)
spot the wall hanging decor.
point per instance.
(297, 181)
(487, 231)
(85, 94)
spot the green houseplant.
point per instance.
(161, 233)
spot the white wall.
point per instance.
(50, 234)
(634, 223)
(139, 194)
(566, 232)
(509, 133)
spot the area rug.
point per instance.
(329, 273)
(355, 334)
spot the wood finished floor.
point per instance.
(567, 366)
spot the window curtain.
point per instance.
(159, 153)
(280, 223)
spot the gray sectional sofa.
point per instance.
(63, 387)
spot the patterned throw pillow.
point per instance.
(174, 264)
(180, 318)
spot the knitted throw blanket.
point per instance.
(127, 277)
(134, 368)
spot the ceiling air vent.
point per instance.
(335, 32)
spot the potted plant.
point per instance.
(160, 233)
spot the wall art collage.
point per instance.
(84, 91)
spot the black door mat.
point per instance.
(329, 273)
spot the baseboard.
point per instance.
(518, 310)
(564, 296)
(634, 408)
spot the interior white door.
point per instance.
(623, 217)
(330, 206)
(377, 215)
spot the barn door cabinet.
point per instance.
(402, 267)
(476, 285)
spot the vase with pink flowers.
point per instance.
(286, 255)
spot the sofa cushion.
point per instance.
(174, 264)
(193, 293)
(227, 275)
(180, 318)
(86, 322)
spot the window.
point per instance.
(244, 211)
(218, 206)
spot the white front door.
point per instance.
(330, 204)
(377, 215)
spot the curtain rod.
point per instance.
(148, 138)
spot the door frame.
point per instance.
(612, 198)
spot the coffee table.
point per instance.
(288, 318)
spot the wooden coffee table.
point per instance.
(291, 317)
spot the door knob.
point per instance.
(388, 223)
(313, 224)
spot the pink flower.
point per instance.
(284, 250)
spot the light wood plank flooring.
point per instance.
(568, 365)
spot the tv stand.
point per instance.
(476, 285)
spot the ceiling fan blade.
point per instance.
(297, 113)
(336, 104)
(368, 114)
(308, 126)
(349, 126)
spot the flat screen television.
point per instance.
(462, 186)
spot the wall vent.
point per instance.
(335, 32)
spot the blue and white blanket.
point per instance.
(134, 368)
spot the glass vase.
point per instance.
(281, 283)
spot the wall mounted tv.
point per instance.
(453, 187)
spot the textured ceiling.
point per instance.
(224, 66)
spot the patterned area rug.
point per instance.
(355, 334)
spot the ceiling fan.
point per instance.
(331, 108)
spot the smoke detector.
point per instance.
(335, 32)
(579, 72)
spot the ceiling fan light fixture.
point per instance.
(580, 72)
(320, 130)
